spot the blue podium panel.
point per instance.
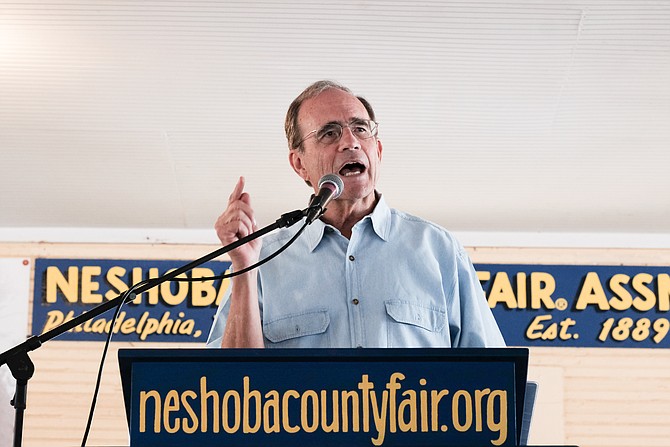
(355, 397)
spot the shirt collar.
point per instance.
(380, 218)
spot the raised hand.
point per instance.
(236, 222)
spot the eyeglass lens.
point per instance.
(332, 132)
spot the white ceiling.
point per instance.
(531, 116)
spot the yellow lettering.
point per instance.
(150, 327)
(592, 293)
(483, 276)
(502, 292)
(189, 428)
(565, 325)
(237, 418)
(285, 411)
(166, 290)
(500, 425)
(393, 386)
(458, 425)
(551, 333)
(622, 299)
(346, 397)
(366, 387)
(68, 286)
(128, 326)
(54, 318)
(144, 397)
(479, 396)
(204, 411)
(187, 327)
(521, 300)
(648, 300)
(88, 286)
(379, 416)
(272, 403)
(334, 426)
(542, 285)
(248, 396)
(424, 407)
(304, 411)
(408, 404)
(250, 410)
(117, 285)
(171, 404)
(97, 326)
(535, 329)
(663, 292)
(203, 293)
(153, 292)
(435, 398)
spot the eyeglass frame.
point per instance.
(373, 132)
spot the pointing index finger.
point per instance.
(237, 192)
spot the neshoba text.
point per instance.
(396, 408)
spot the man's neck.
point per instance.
(343, 215)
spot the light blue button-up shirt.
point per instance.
(399, 282)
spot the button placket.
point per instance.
(354, 301)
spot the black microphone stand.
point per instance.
(22, 367)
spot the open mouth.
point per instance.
(353, 168)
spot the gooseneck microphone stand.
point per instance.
(22, 367)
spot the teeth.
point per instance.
(351, 169)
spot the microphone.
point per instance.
(330, 188)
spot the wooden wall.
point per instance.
(591, 397)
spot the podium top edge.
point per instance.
(338, 354)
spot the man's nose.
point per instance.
(349, 140)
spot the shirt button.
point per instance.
(351, 257)
(355, 301)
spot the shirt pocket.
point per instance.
(415, 325)
(304, 330)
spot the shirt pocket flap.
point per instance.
(427, 318)
(300, 325)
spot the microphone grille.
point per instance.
(334, 180)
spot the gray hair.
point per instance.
(293, 135)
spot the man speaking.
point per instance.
(363, 274)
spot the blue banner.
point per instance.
(534, 305)
(171, 312)
(579, 305)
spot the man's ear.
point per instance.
(295, 159)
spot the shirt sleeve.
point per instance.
(473, 324)
(219, 325)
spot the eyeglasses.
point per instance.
(332, 132)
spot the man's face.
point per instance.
(356, 160)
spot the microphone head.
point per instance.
(335, 181)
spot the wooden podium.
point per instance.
(332, 397)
